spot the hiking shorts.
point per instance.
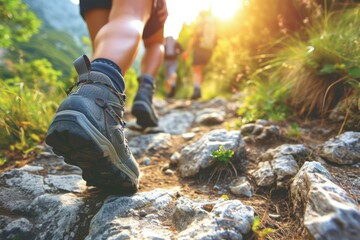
(154, 24)
(201, 56)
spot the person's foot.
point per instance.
(196, 94)
(172, 92)
(143, 108)
(89, 132)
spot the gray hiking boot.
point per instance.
(142, 107)
(196, 94)
(89, 132)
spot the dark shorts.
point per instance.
(201, 56)
(153, 25)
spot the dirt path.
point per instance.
(271, 205)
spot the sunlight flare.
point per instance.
(225, 9)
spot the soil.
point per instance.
(271, 205)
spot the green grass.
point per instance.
(264, 100)
(24, 116)
(310, 74)
(27, 104)
(294, 131)
(318, 70)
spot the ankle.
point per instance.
(146, 80)
(110, 69)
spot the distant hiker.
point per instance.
(172, 50)
(88, 128)
(202, 43)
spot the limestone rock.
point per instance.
(259, 131)
(241, 186)
(343, 149)
(278, 166)
(149, 142)
(198, 154)
(210, 116)
(176, 122)
(225, 220)
(330, 213)
(132, 217)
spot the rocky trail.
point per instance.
(304, 187)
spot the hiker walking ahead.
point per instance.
(202, 44)
(172, 50)
(88, 129)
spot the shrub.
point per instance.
(319, 70)
(264, 99)
(28, 104)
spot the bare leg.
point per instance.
(142, 108)
(95, 19)
(154, 54)
(171, 81)
(119, 39)
(198, 75)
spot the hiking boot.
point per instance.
(172, 92)
(142, 107)
(89, 132)
(196, 94)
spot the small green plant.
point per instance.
(294, 131)
(223, 156)
(256, 229)
(2, 161)
(264, 99)
(223, 159)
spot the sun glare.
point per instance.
(225, 9)
(186, 11)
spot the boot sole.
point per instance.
(73, 136)
(145, 116)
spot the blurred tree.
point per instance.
(17, 23)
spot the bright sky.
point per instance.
(186, 11)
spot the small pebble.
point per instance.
(146, 161)
(169, 172)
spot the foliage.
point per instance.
(226, 70)
(225, 197)
(318, 70)
(57, 46)
(224, 165)
(16, 22)
(276, 52)
(223, 156)
(2, 161)
(294, 130)
(29, 89)
(131, 85)
(260, 233)
(27, 105)
(39, 74)
(264, 99)
(255, 30)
